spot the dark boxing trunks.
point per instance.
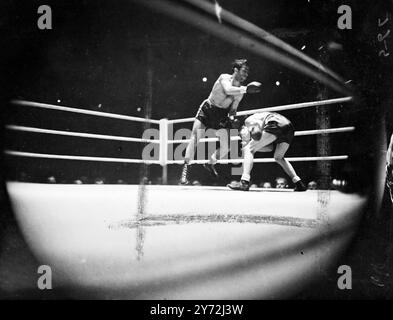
(211, 116)
(281, 127)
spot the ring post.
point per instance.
(164, 149)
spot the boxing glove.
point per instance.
(254, 87)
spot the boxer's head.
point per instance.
(256, 133)
(240, 69)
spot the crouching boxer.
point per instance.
(265, 132)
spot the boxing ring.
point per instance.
(187, 242)
(181, 242)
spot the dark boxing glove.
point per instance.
(235, 123)
(254, 87)
(231, 123)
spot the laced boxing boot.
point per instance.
(184, 175)
(300, 186)
(241, 185)
(211, 168)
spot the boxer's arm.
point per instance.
(245, 136)
(234, 106)
(229, 89)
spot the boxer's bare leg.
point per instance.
(249, 150)
(268, 148)
(222, 151)
(198, 129)
(248, 159)
(279, 154)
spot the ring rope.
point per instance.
(223, 161)
(84, 158)
(83, 111)
(264, 160)
(163, 140)
(130, 139)
(130, 118)
(297, 133)
(324, 131)
(80, 134)
(280, 108)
